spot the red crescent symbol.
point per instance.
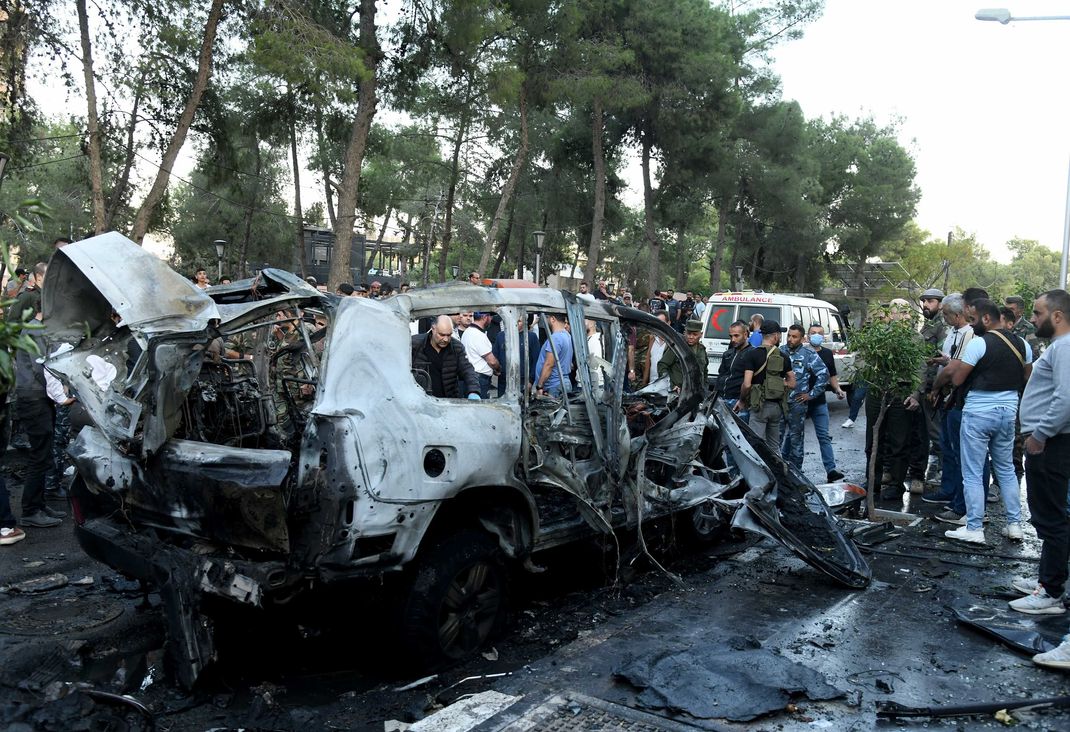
(717, 316)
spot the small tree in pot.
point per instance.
(890, 352)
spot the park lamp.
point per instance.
(220, 249)
(540, 239)
(455, 269)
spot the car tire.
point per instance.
(457, 599)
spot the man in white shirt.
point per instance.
(478, 349)
(953, 308)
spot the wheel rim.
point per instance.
(705, 519)
(469, 610)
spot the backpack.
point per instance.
(773, 388)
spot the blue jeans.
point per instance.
(951, 473)
(858, 398)
(819, 415)
(791, 446)
(484, 385)
(988, 433)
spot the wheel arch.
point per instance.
(506, 511)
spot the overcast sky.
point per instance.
(983, 106)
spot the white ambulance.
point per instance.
(725, 308)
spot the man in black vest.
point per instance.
(439, 360)
(993, 368)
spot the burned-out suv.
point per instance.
(263, 441)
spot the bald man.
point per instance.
(441, 358)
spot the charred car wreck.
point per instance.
(235, 453)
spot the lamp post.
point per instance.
(1003, 16)
(540, 239)
(455, 270)
(220, 248)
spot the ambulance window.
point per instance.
(721, 316)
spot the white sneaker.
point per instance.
(12, 535)
(1039, 603)
(1025, 586)
(848, 424)
(973, 536)
(1058, 657)
(1012, 531)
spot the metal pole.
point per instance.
(947, 264)
(1066, 235)
(219, 269)
(538, 266)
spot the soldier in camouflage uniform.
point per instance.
(1025, 330)
(286, 351)
(670, 364)
(926, 458)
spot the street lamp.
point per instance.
(540, 239)
(1002, 15)
(455, 270)
(220, 248)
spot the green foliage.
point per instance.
(15, 335)
(889, 352)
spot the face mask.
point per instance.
(816, 339)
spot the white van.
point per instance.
(725, 308)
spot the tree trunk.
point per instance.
(119, 190)
(358, 141)
(299, 213)
(163, 175)
(594, 247)
(248, 235)
(503, 246)
(96, 172)
(328, 188)
(873, 485)
(404, 265)
(649, 235)
(510, 184)
(379, 239)
(682, 260)
(717, 263)
(455, 172)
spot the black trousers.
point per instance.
(1047, 476)
(37, 417)
(892, 453)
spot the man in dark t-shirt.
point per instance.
(767, 416)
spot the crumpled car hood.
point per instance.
(90, 279)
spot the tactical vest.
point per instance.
(773, 388)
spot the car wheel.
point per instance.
(704, 524)
(457, 599)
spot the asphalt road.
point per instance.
(573, 626)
